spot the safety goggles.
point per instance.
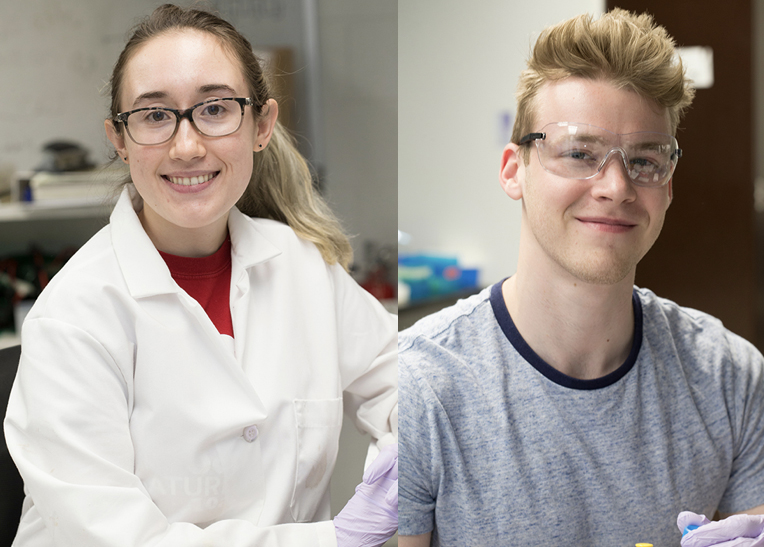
(580, 151)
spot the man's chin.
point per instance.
(603, 273)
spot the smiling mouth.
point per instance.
(191, 181)
(608, 226)
(608, 222)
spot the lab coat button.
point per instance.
(251, 433)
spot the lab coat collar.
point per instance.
(249, 244)
(146, 273)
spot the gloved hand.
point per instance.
(734, 531)
(370, 518)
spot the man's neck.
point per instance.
(583, 330)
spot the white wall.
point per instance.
(458, 64)
(55, 58)
(360, 97)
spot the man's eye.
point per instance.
(578, 155)
(643, 162)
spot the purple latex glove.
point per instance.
(734, 531)
(370, 518)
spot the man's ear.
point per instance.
(266, 123)
(117, 139)
(512, 172)
(671, 189)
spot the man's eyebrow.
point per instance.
(587, 137)
(650, 145)
(584, 137)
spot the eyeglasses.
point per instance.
(580, 151)
(212, 118)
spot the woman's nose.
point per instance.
(188, 143)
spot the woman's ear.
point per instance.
(266, 123)
(512, 172)
(117, 139)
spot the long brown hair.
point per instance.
(281, 187)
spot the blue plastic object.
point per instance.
(430, 276)
(689, 528)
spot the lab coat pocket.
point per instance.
(319, 422)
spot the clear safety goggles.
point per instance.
(580, 151)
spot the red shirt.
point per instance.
(208, 281)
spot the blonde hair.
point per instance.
(281, 187)
(621, 47)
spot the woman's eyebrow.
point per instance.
(150, 95)
(209, 88)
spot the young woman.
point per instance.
(183, 378)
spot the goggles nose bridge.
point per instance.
(624, 158)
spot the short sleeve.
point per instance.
(745, 400)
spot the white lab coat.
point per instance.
(134, 424)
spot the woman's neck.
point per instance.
(176, 240)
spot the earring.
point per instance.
(260, 145)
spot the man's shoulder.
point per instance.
(680, 319)
(450, 357)
(465, 318)
(455, 346)
(691, 332)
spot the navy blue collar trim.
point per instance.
(513, 335)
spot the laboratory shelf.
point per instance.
(58, 209)
(9, 339)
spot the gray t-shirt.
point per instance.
(499, 448)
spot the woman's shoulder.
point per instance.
(85, 275)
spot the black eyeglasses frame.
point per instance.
(180, 115)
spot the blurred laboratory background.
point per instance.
(457, 73)
(335, 66)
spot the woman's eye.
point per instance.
(214, 110)
(155, 116)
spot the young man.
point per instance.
(564, 405)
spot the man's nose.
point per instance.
(613, 181)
